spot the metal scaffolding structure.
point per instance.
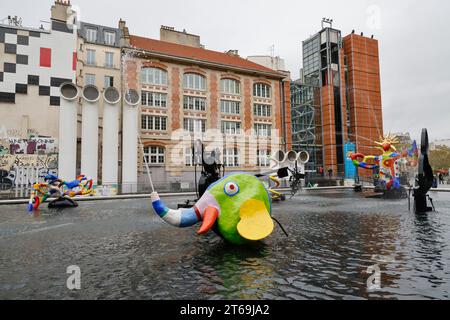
(306, 122)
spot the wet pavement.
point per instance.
(125, 252)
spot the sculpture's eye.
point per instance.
(231, 189)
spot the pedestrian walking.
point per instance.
(321, 171)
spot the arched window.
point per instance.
(261, 90)
(154, 76)
(194, 81)
(230, 86)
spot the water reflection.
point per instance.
(429, 251)
(235, 272)
(126, 252)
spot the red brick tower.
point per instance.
(364, 93)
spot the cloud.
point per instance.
(412, 35)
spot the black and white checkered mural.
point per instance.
(34, 57)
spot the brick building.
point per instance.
(189, 92)
(338, 98)
(364, 91)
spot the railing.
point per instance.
(14, 191)
(22, 191)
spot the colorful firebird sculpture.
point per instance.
(54, 187)
(237, 208)
(389, 163)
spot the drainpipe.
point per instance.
(122, 90)
(283, 115)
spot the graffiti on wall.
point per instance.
(33, 146)
(21, 170)
(24, 162)
(5, 182)
(4, 147)
(9, 161)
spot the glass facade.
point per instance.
(311, 59)
(321, 68)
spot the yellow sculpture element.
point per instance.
(275, 194)
(387, 143)
(255, 223)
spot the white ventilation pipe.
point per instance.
(279, 157)
(292, 156)
(130, 141)
(89, 132)
(290, 160)
(303, 157)
(67, 157)
(110, 143)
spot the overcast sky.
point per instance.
(414, 43)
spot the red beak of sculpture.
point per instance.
(209, 219)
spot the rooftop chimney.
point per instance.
(125, 40)
(60, 11)
(169, 34)
(233, 52)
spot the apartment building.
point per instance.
(98, 51)
(33, 64)
(99, 64)
(189, 93)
